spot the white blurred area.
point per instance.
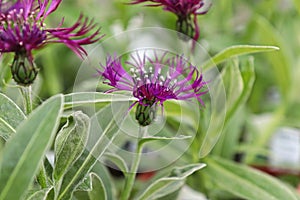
(188, 193)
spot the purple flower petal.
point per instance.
(184, 9)
(148, 83)
(22, 28)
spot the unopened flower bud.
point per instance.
(185, 26)
(145, 113)
(23, 69)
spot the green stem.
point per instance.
(27, 98)
(27, 101)
(130, 178)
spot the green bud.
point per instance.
(23, 70)
(185, 25)
(145, 114)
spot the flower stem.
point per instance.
(130, 178)
(27, 98)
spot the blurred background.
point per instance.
(265, 131)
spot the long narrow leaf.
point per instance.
(80, 98)
(236, 51)
(246, 182)
(247, 74)
(280, 61)
(25, 151)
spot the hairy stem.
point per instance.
(130, 178)
(26, 92)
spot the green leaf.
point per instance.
(118, 161)
(236, 51)
(170, 184)
(24, 152)
(246, 182)
(48, 169)
(81, 195)
(70, 142)
(297, 5)
(282, 68)
(2, 143)
(10, 116)
(51, 194)
(182, 111)
(213, 118)
(102, 171)
(80, 98)
(280, 61)
(247, 75)
(95, 192)
(104, 128)
(238, 79)
(40, 195)
(157, 138)
(233, 83)
(98, 191)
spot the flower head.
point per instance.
(23, 30)
(184, 9)
(153, 81)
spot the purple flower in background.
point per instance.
(23, 30)
(153, 81)
(184, 9)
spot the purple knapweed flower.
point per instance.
(23, 30)
(184, 9)
(153, 81)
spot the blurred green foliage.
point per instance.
(274, 93)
